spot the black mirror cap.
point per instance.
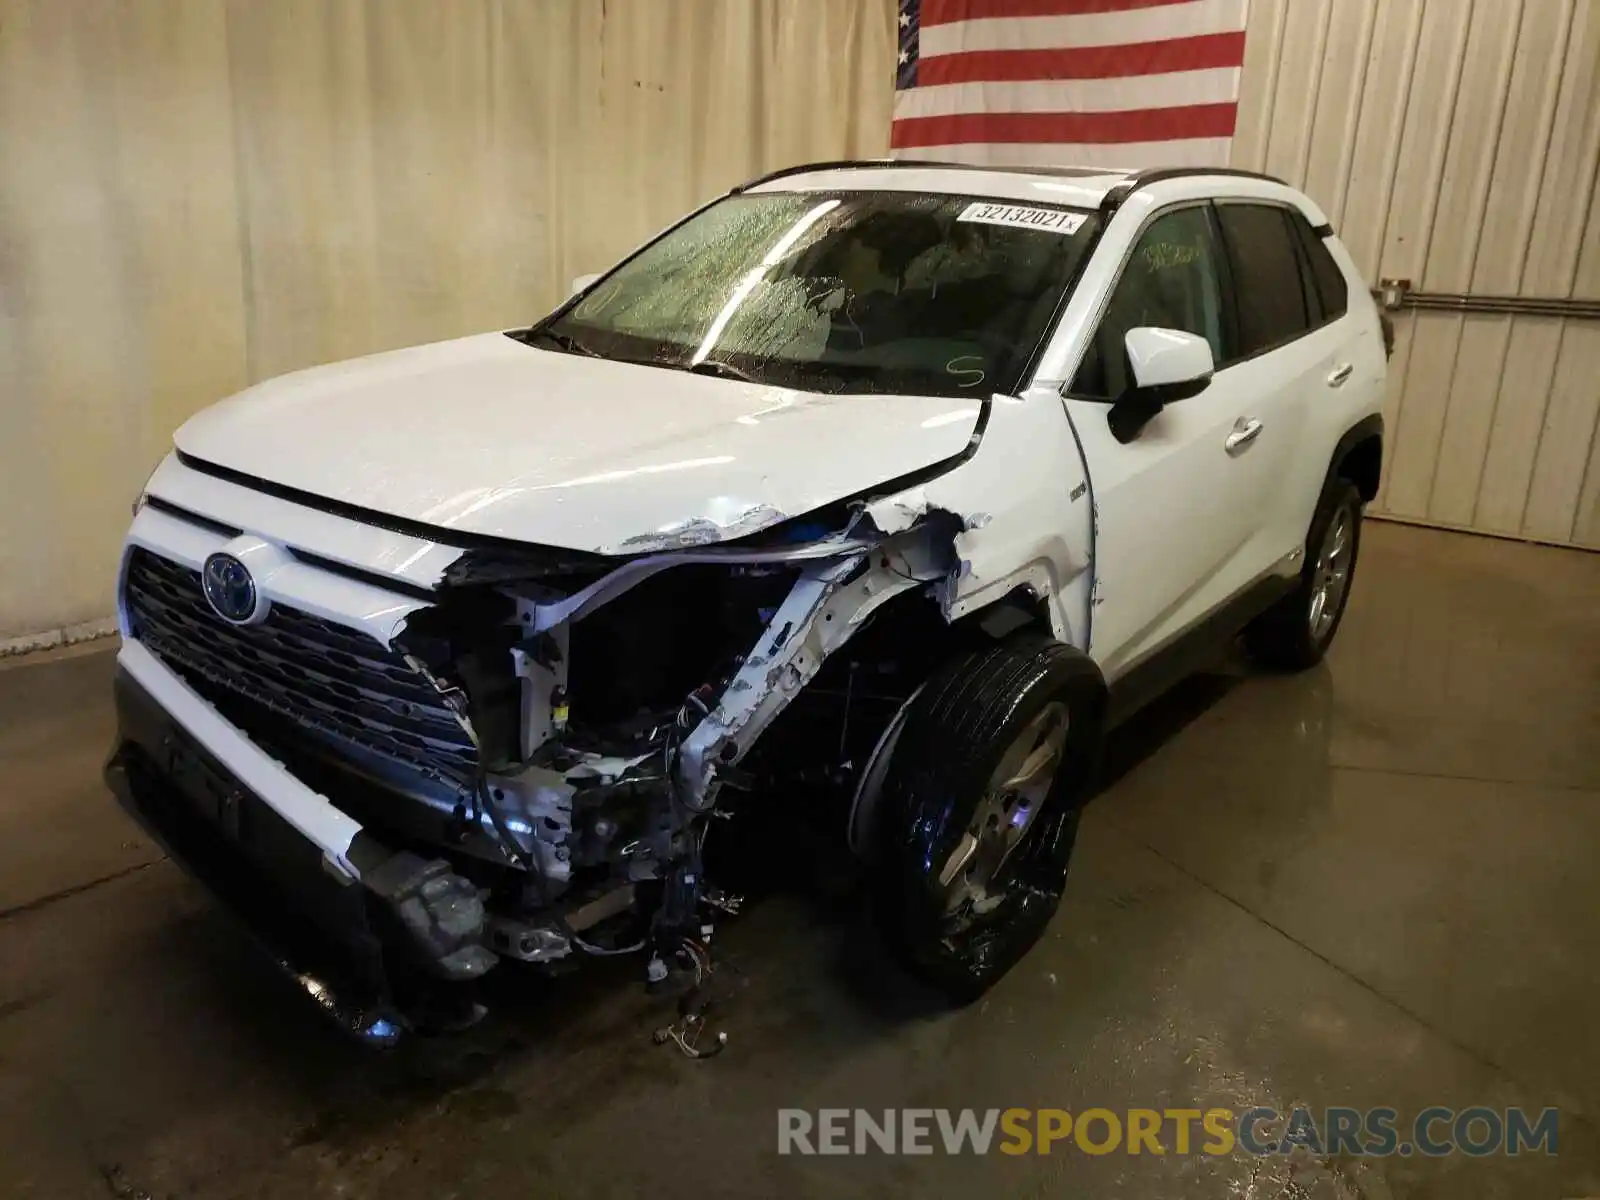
(1138, 406)
(1171, 393)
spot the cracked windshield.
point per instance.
(840, 292)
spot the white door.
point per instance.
(1180, 508)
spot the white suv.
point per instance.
(884, 485)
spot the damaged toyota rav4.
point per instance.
(890, 486)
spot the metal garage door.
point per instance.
(1454, 144)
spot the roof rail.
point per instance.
(1116, 196)
(855, 164)
(841, 164)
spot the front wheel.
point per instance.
(1296, 632)
(979, 809)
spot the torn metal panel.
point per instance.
(704, 530)
(897, 513)
(1019, 525)
(824, 609)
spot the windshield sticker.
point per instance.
(1054, 220)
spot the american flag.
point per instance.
(1127, 83)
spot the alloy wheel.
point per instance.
(983, 868)
(1331, 578)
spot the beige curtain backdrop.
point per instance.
(197, 194)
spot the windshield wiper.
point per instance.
(712, 366)
(563, 341)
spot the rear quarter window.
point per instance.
(1331, 288)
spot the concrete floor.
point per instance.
(1373, 884)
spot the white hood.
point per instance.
(489, 436)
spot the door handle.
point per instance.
(1245, 431)
(1340, 374)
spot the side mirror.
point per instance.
(1166, 365)
(580, 282)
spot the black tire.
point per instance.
(1285, 637)
(957, 734)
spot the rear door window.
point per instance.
(1271, 296)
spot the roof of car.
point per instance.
(1082, 187)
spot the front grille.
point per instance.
(326, 677)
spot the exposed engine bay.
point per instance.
(616, 708)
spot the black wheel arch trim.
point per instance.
(1366, 429)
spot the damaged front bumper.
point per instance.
(370, 934)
